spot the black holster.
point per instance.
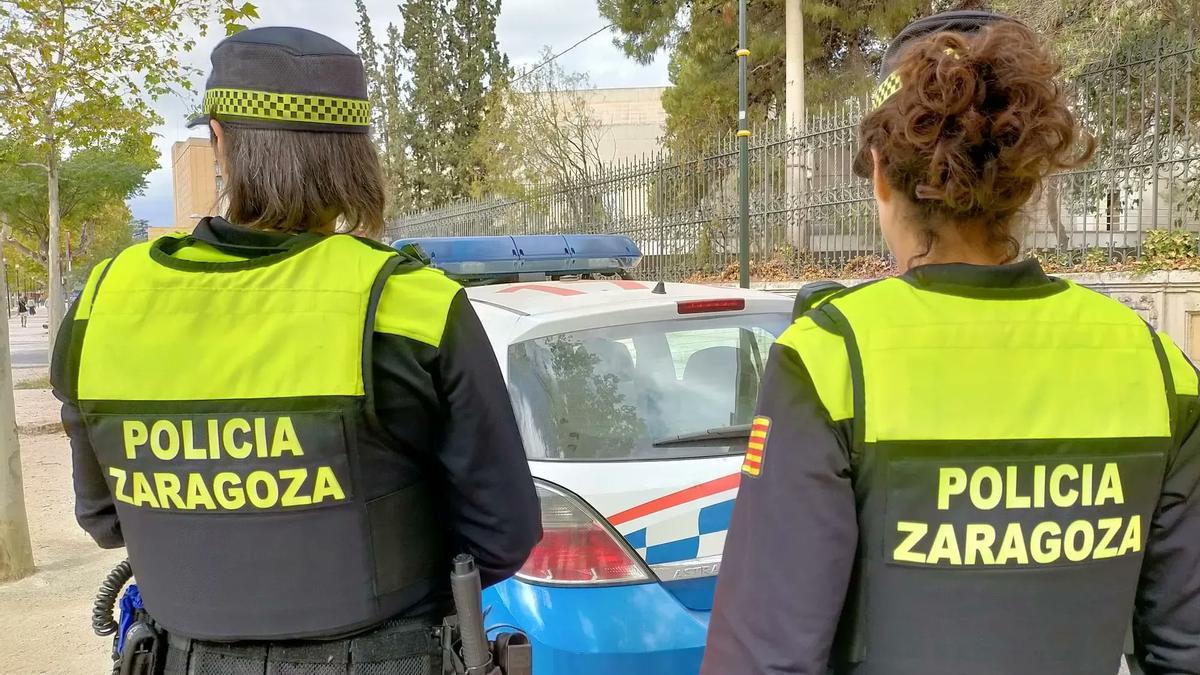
(142, 653)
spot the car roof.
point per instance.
(546, 299)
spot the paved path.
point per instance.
(45, 618)
(29, 343)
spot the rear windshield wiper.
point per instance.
(739, 432)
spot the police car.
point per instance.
(634, 400)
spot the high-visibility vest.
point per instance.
(230, 406)
(1008, 452)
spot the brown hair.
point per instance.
(294, 181)
(977, 125)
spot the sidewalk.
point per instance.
(46, 618)
(28, 344)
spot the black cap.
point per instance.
(286, 78)
(964, 21)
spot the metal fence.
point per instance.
(810, 216)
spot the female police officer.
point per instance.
(291, 430)
(972, 467)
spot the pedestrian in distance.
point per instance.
(971, 467)
(291, 428)
(23, 311)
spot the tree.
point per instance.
(383, 63)
(93, 181)
(844, 43)
(1083, 31)
(112, 232)
(482, 71)
(432, 84)
(431, 108)
(75, 71)
(16, 551)
(1124, 64)
(540, 132)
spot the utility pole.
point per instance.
(743, 135)
(794, 108)
(16, 551)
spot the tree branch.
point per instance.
(13, 74)
(30, 253)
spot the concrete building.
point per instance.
(631, 120)
(197, 182)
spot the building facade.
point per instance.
(631, 121)
(197, 182)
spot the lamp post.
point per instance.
(743, 136)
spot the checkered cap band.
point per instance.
(307, 108)
(885, 90)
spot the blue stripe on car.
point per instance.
(637, 539)
(716, 518)
(683, 549)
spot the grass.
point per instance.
(42, 382)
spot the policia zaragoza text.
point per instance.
(213, 440)
(1048, 488)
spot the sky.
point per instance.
(524, 27)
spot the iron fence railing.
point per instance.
(808, 211)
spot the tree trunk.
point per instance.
(16, 551)
(55, 304)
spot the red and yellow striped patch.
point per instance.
(756, 449)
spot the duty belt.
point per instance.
(398, 647)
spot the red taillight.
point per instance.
(702, 306)
(576, 548)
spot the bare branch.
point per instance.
(16, 81)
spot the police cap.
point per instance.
(958, 21)
(286, 78)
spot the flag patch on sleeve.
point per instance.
(756, 449)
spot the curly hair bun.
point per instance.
(978, 123)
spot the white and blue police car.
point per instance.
(634, 399)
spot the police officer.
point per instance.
(291, 430)
(971, 467)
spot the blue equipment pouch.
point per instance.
(138, 644)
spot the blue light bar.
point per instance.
(528, 256)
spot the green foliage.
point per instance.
(433, 84)
(538, 131)
(38, 382)
(591, 417)
(94, 181)
(74, 73)
(76, 70)
(843, 43)
(1083, 31)
(108, 232)
(1168, 249)
(1162, 250)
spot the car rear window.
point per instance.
(610, 393)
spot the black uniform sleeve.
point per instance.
(95, 510)
(1167, 613)
(493, 502)
(790, 548)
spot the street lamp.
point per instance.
(743, 136)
